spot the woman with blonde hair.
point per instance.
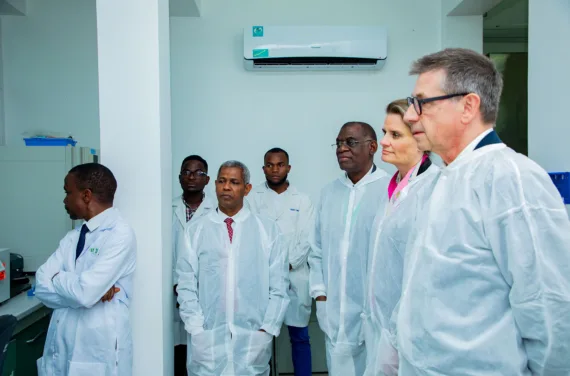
(412, 183)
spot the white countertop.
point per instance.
(21, 305)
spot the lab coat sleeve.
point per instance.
(529, 234)
(278, 283)
(116, 259)
(316, 278)
(45, 291)
(300, 252)
(187, 268)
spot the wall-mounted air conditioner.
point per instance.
(279, 48)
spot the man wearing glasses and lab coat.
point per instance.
(88, 282)
(339, 247)
(190, 205)
(233, 280)
(292, 210)
(486, 287)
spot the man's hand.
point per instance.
(110, 294)
(321, 298)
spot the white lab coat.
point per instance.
(486, 288)
(87, 337)
(338, 265)
(389, 237)
(293, 213)
(229, 291)
(179, 224)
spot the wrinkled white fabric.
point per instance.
(294, 215)
(389, 237)
(87, 337)
(338, 262)
(486, 287)
(229, 291)
(179, 224)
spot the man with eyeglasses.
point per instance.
(486, 288)
(192, 204)
(339, 247)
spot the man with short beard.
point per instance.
(278, 200)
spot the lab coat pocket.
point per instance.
(322, 317)
(259, 351)
(86, 369)
(205, 348)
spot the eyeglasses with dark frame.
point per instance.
(351, 143)
(418, 102)
(197, 173)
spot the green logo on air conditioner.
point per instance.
(257, 31)
(260, 53)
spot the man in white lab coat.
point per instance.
(233, 281)
(339, 247)
(486, 287)
(279, 201)
(191, 204)
(88, 282)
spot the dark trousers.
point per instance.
(180, 360)
(301, 350)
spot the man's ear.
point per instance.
(87, 195)
(373, 147)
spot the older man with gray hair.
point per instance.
(233, 280)
(486, 287)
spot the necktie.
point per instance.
(229, 222)
(81, 242)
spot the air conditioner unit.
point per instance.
(278, 48)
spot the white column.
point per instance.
(462, 23)
(134, 107)
(548, 83)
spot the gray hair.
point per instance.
(466, 71)
(238, 164)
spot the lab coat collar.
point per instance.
(471, 152)
(472, 145)
(180, 209)
(101, 219)
(374, 174)
(264, 188)
(219, 217)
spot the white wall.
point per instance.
(222, 112)
(548, 83)
(50, 70)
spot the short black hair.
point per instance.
(367, 128)
(277, 150)
(194, 158)
(98, 179)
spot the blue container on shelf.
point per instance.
(562, 182)
(45, 141)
